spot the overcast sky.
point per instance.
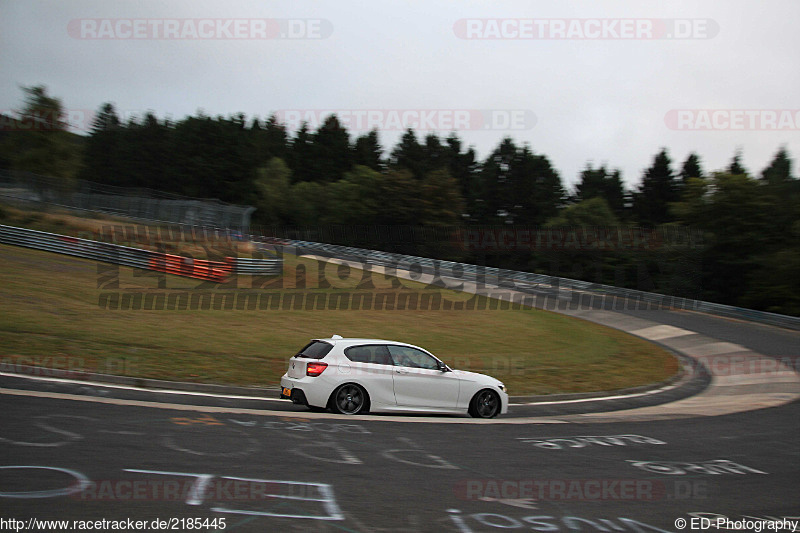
(597, 81)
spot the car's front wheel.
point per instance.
(350, 399)
(485, 404)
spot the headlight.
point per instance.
(501, 387)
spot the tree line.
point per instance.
(750, 223)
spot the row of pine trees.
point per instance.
(749, 256)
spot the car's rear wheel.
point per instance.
(350, 399)
(485, 404)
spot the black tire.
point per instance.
(350, 399)
(485, 404)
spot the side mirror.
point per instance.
(443, 367)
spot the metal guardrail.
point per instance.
(257, 267)
(488, 276)
(537, 283)
(62, 244)
(138, 257)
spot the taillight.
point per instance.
(315, 369)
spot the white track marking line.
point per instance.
(131, 387)
(601, 398)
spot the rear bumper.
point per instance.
(297, 396)
(310, 396)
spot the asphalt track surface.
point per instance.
(722, 441)
(284, 473)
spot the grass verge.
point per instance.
(49, 316)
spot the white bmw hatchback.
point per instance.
(354, 376)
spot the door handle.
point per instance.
(401, 371)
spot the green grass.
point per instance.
(49, 315)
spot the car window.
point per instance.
(315, 350)
(412, 357)
(373, 353)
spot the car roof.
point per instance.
(358, 341)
